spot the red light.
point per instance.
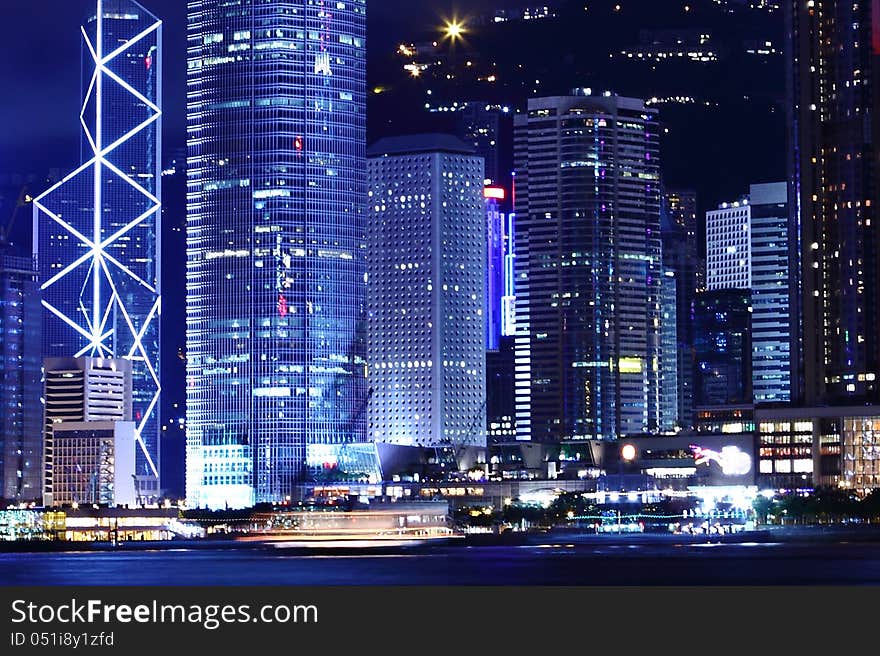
(494, 192)
(282, 305)
(148, 60)
(298, 143)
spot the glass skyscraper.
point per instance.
(97, 231)
(20, 413)
(588, 268)
(275, 243)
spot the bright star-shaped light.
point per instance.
(453, 30)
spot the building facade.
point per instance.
(681, 257)
(670, 359)
(275, 244)
(426, 268)
(771, 308)
(81, 393)
(588, 268)
(20, 411)
(834, 119)
(93, 463)
(96, 232)
(747, 246)
(722, 346)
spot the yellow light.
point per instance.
(630, 365)
(628, 452)
(453, 30)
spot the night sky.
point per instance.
(40, 71)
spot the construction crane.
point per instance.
(24, 199)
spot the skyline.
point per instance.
(276, 243)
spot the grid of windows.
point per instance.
(588, 268)
(275, 243)
(426, 270)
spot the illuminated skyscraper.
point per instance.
(747, 248)
(835, 188)
(20, 425)
(681, 257)
(589, 273)
(275, 243)
(427, 267)
(97, 231)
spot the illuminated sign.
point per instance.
(630, 365)
(732, 460)
(496, 193)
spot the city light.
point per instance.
(454, 30)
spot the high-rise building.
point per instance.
(771, 320)
(669, 354)
(722, 346)
(729, 246)
(426, 270)
(499, 315)
(747, 248)
(20, 430)
(589, 270)
(835, 117)
(80, 394)
(275, 243)
(496, 243)
(97, 237)
(681, 257)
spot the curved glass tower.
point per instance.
(97, 231)
(275, 243)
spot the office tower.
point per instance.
(589, 270)
(97, 235)
(93, 463)
(275, 244)
(82, 394)
(722, 346)
(833, 49)
(426, 267)
(20, 327)
(747, 248)
(496, 224)
(771, 328)
(669, 354)
(681, 257)
(729, 246)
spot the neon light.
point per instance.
(731, 459)
(105, 318)
(496, 193)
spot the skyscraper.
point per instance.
(20, 326)
(427, 266)
(747, 249)
(681, 257)
(771, 328)
(97, 235)
(275, 243)
(589, 270)
(722, 346)
(835, 120)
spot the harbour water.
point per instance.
(799, 557)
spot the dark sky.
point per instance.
(40, 71)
